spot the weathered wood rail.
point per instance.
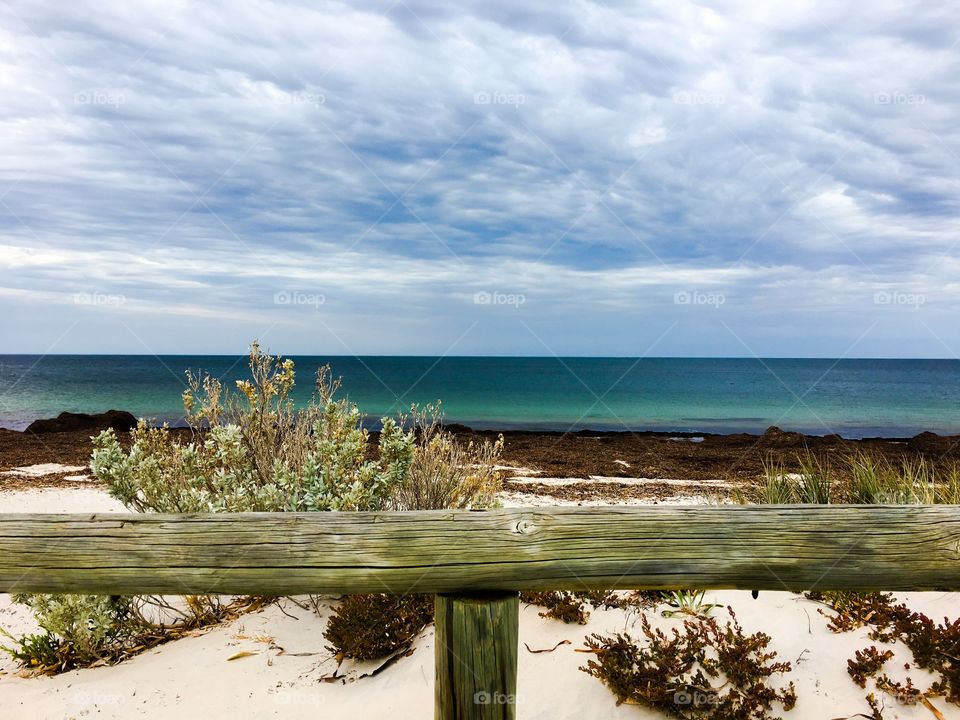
(476, 562)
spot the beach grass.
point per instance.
(859, 479)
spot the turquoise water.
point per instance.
(854, 398)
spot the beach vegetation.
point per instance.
(81, 630)
(75, 629)
(373, 627)
(812, 484)
(869, 479)
(575, 606)
(861, 479)
(701, 670)
(934, 647)
(912, 481)
(779, 487)
(254, 451)
(445, 472)
(687, 602)
(251, 449)
(867, 663)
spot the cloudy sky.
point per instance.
(485, 177)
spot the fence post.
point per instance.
(476, 656)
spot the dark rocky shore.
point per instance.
(738, 459)
(703, 457)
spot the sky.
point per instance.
(480, 178)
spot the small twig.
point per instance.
(302, 606)
(280, 607)
(546, 650)
(387, 663)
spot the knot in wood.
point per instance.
(523, 526)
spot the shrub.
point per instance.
(935, 647)
(444, 472)
(80, 630)
(676, 673)
(254, 451)
(572, 606)
(866, 664)
(76, 630)
(567, 607)
(370, 627)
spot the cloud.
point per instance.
(596, 159)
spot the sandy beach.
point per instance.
(284, 658)
(596, 361)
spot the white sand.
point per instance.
(614, 480)
(520, 499)
(192, 678)
(41, 469)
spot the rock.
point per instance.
(119, 420)
(776, 436)
(930, 442)
(457, 429)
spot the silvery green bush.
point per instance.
(254, 451)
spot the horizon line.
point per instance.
(497, 357)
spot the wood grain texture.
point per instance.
(751, 547)
(476, 656)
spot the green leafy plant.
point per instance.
(254, 451)
(76, 629)
(687, 602)
(36, 651)
(82, 630)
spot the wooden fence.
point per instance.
(476, 562)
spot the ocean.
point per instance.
(851, 397)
